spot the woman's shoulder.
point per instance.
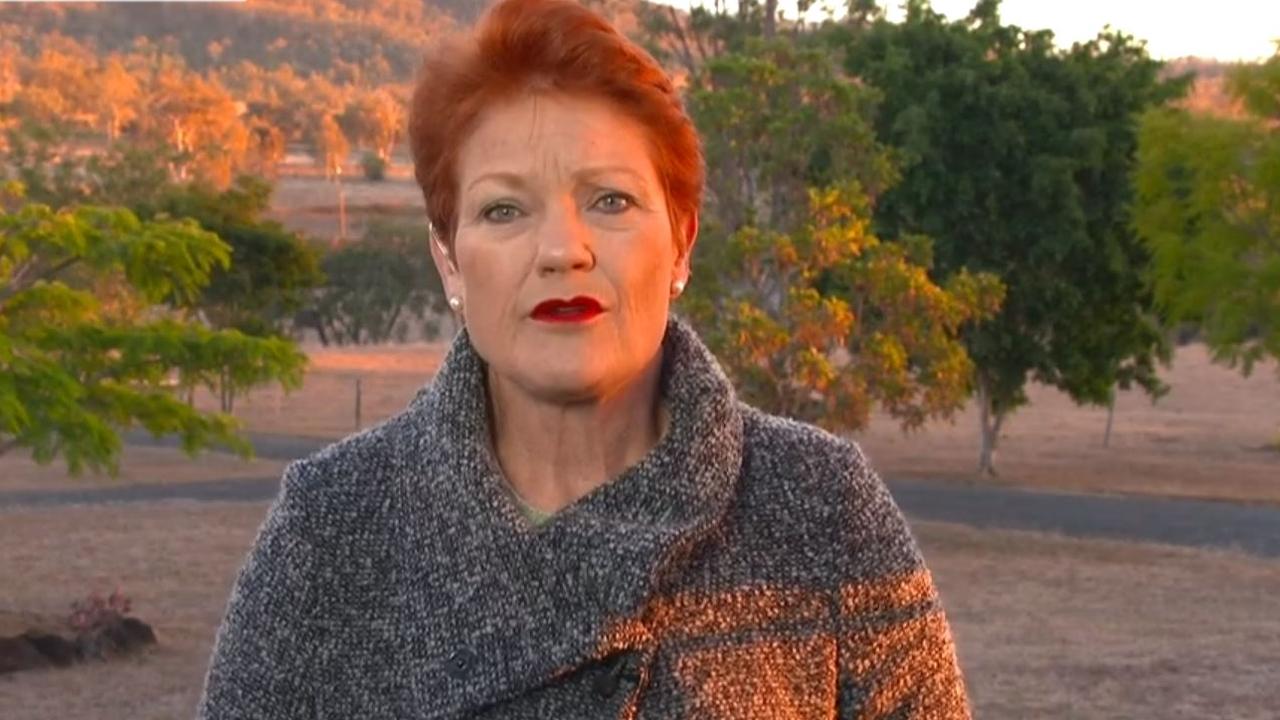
(361, 470)
(826, 484)
(802, 448)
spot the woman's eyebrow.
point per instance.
(509, 179)
(591, 173)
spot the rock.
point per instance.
(139, 633)
(17, 653)
(41, 648)
(57, 649)
(119, 636)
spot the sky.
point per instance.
(1221, 29)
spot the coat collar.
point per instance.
(498, 607)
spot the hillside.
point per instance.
(1208, 93)
(349, 41)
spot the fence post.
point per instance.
(1111, 415)
(357, 404)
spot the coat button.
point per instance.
(460, 663)
(623, 666)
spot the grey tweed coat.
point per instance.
(748, 567)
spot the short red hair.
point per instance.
(521, 46)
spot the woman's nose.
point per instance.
(564, 243)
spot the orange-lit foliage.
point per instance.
(827, 322)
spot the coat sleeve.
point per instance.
(895, 654)
(259, 667)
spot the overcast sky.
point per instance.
(1222, 29)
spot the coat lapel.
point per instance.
(495, 607)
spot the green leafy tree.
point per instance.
(1017, 159)
(812, 314)
(376, 286)
(272, 269)
(1208, 206)
(73, 373)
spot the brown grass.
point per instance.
(175, 560)
(1208, 438)
(138, 466)
(1046, 626)
(309, 204)
(1054, 628)
(325, 407)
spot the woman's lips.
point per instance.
(578, 309)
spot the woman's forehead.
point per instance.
(544, 136)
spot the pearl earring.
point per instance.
(677, 287)
(455, 302)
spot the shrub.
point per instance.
(375, 168)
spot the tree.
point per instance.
(374, 283)
(73, 374)
(272, 270)
(201, 122)
(55, 89)
(331, 146)
(778, 119)
(375, 120)
(812, 314)
(266, 147)
(117, 96)
(1017, 160)
(9, 79)
(1208, 205)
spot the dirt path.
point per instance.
(1194, 523)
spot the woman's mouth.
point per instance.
(578, 309)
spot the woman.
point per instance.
(576, 518)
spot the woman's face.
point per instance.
(560, 201)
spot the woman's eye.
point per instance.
(615, 202)
(501, 213)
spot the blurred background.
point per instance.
(1026, 254)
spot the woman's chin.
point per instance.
(568, 384)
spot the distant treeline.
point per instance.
(347, 42)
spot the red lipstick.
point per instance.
(579, 309)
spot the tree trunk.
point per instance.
(991, 422)
(770, 18)
(342, 216)
(226, 392)
(1111, 415)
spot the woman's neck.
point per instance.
(554, 453)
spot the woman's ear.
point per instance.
(450, 278)
(688, 234)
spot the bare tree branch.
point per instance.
(686, 53)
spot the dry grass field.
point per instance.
(1213, 436)
(309, 204)
(1208, 438)
(138, 466)
(1047, 627)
